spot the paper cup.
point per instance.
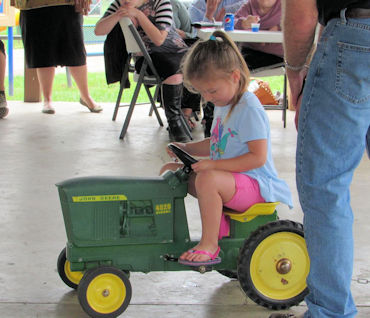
(255, 27)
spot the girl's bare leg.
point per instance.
(213, 188)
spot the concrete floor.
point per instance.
(39, 150)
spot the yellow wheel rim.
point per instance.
(106, 293)
(280, 265)
(74, 277)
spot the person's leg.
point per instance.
(171, 96)
(333, 122)
(190, 103)
(213, 187)
(256, 59)
(3, 104)
(79, 73)
(46, 79)
(208, 109)
(167, 66)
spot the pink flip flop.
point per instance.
(214, 259)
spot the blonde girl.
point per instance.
(240, 170)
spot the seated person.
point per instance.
(154, 21)
(212, 10)
(268, 14)
(182, 21)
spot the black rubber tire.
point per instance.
(89, 276)
(244, 265)
(62, 259)
(230, 274)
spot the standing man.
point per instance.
(334, 119)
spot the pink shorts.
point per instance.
(247, 193)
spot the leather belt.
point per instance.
(357, 13)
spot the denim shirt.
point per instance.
(197, 9)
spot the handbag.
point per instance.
(263, 91)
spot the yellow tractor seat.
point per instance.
(266, 208)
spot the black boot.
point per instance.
(171, 100)
(207, 118)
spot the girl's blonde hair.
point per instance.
(207, 58)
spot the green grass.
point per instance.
(100, 91)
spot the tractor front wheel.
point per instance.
(71, 279)
(104, 292)
(273, 265)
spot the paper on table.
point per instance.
(199, 25)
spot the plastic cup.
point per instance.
(255, 27)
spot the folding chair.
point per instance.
(134, 44)
(274, 70)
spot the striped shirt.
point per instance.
(159, 12)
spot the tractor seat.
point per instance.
(266, 208)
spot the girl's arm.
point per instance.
(198, 148)
(155, 35)
(106, 24)
(255, 158)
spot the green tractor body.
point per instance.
(137, 224)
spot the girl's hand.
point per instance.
(181, 33)
(205, 164)
(247, 22)
(127, 11)
(170, 152)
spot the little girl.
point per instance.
(240, 171)
(153, 19)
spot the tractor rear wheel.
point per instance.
(273, 265)
(104, 292)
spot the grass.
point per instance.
(100, 91)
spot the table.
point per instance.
(245, 35)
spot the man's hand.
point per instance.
(220, 16)
(296, 84)
(211, 8)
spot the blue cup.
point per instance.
(255, 27)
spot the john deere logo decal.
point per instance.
(100, 198)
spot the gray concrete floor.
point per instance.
(39, 150)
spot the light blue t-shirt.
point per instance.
(248, 121)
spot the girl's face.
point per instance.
(219, 89)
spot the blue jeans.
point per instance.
(333, 123)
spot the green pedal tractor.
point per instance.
(118, 225)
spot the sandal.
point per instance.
(214, 259)
(96, 109)
(48, 109)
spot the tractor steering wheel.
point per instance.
(182, 155)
